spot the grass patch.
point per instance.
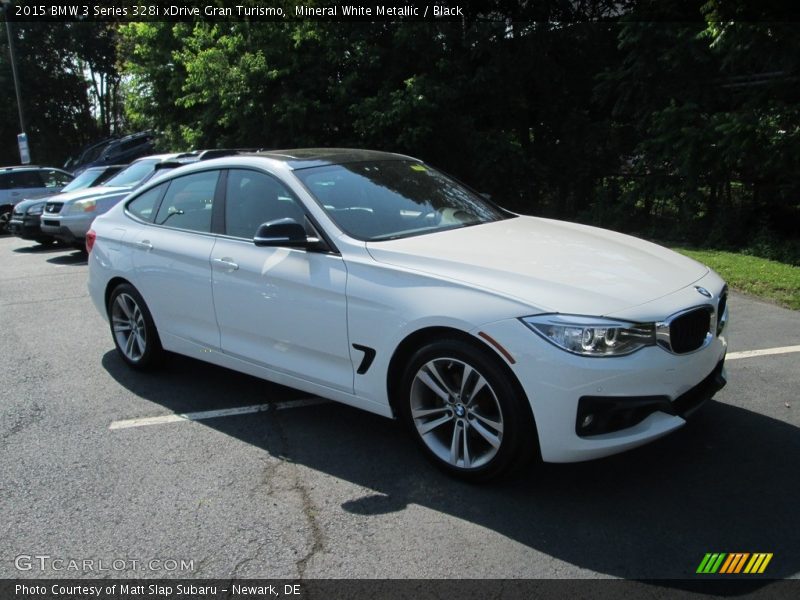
(767, 279)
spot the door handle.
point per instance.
(145, 245)
(226, 262)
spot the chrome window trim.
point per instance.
(178, 229)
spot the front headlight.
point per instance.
(592, 336)
(87, 205)
(36, 209)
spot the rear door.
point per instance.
(171, 259)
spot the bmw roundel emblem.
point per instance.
(703, 291)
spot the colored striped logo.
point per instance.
(734, 563)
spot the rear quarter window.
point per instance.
(144, 206)
(188, 202)
(53, 178)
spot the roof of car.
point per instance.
(156, 157)
(105, 167)
(304, 158)
(132, 136)
(26, 168)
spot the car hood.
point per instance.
(553, 266)
(100, 190)
(24, 205)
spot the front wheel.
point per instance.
(468, 417)
(5, 218)
(132, 328)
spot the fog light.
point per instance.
(587, 421)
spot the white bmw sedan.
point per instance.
(374, 280)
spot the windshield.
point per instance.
(83, 180)
(383, 200)
(133, 174)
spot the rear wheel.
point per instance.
(132, 328)
(469, 419)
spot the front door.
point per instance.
(282, 308)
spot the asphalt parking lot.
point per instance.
(309, 489)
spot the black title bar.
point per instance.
(245, 10)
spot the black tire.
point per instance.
(5, 217)
(132, 328)
(46, 241)
(467, 442)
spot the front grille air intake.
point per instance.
(688, 331)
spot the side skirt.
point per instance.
(213, 356)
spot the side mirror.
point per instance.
(282, 232)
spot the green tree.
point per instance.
(54, 94)
(665, 118)
(709, 110)
(95, 47)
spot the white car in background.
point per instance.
(28, 181)
(375, 280)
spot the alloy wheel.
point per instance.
(456, 413)
(128, 325)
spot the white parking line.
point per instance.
(213, 414)
(764, 352)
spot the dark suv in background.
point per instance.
(113, 151)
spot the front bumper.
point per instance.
(605, 414)
(28, 228)
(636, 398)
(67, 228)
